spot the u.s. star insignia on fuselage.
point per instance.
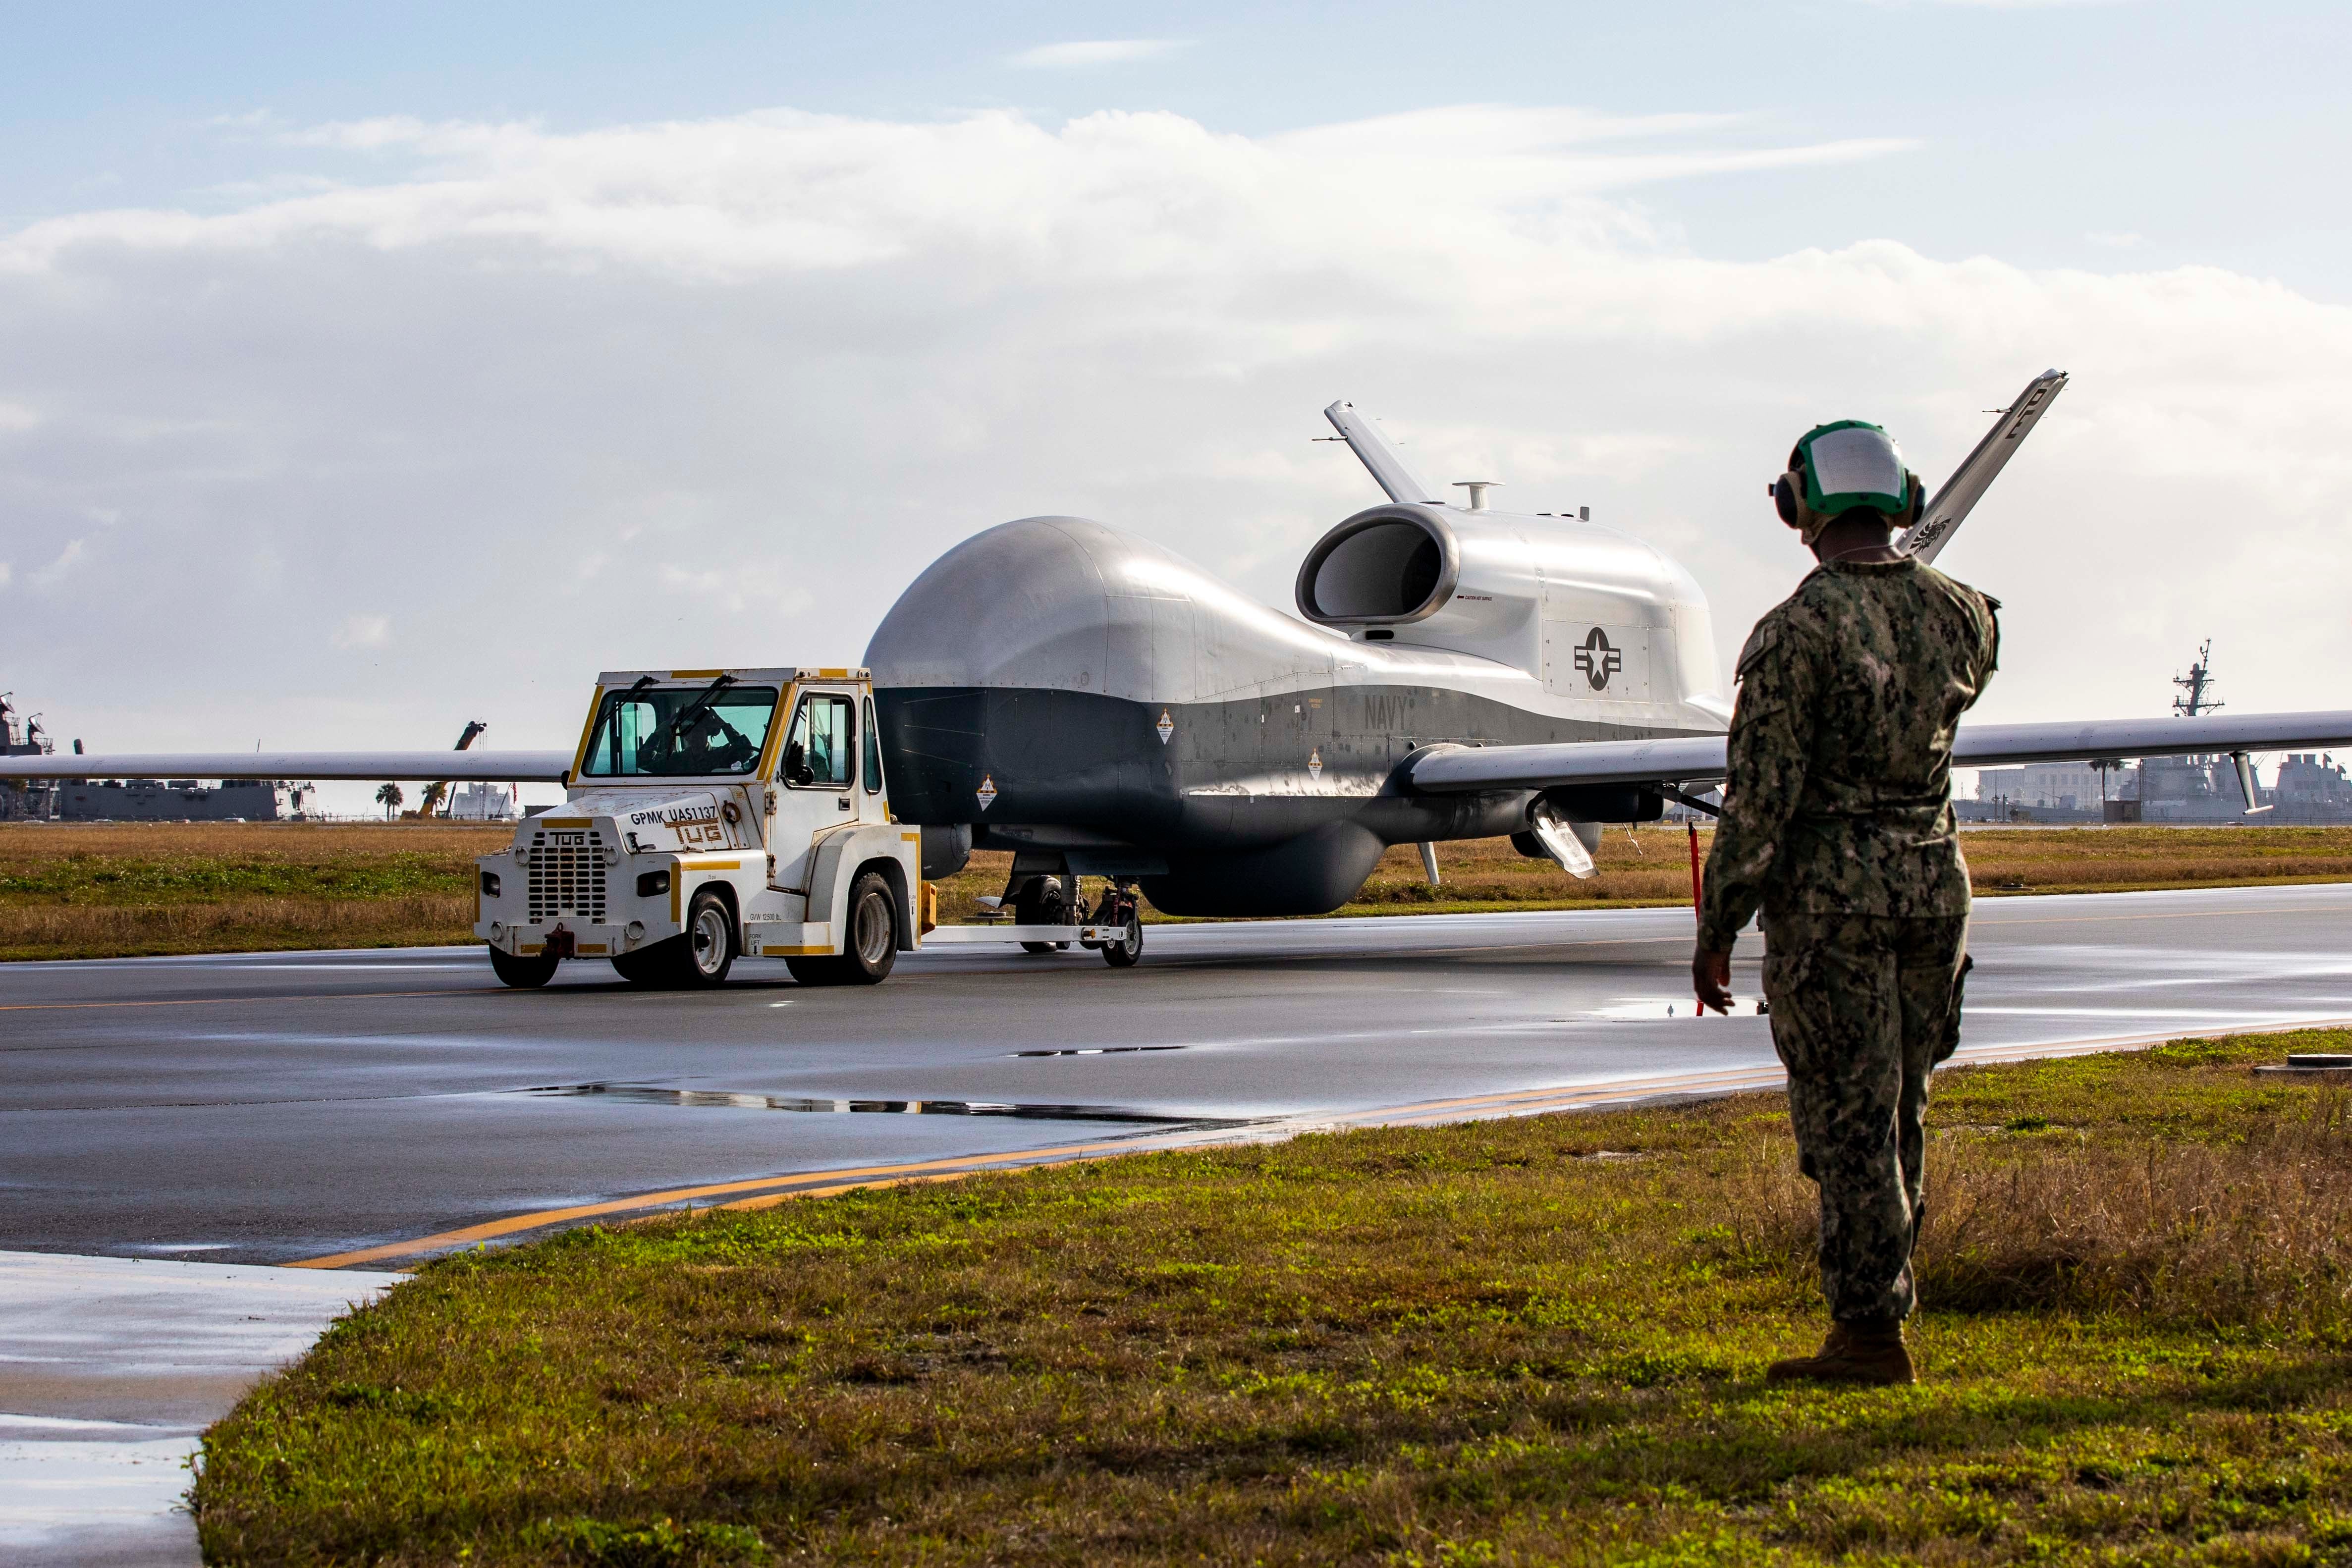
(1598, 660)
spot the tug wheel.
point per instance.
(646, 965)
(696, 959)
(869, 949)
(523, 974)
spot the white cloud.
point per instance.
(678, 394)
(67, 559)
(5, 574)
(16, 416)
(363, 631)
(1096, 52)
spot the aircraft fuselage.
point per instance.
(1068, 690)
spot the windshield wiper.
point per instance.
(675, 730)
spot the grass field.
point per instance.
(1651, 866)
(1529, 1341)
(105, 890)
(87, 891)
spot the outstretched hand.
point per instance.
(1711, 978)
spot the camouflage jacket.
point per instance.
(1840, 798)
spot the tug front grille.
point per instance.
(567, 878)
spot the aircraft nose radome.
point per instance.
(1018, 605)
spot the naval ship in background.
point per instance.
(2310, 787)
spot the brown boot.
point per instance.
(1870, 1351)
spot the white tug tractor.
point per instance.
(715, 814)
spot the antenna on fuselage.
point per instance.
(1477, 488)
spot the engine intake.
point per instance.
(1388, 566)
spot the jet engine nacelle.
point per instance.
(1596, 613)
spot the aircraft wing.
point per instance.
(457, 766)
(1699, 760)
(1965, 487)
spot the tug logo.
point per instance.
(1598, 660)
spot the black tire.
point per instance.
(869, 945)
(523, 974)
(1040, 902)
(646, 965)
(700, 956)
(1123, 952)
(816, 971)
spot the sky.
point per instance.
(364, 372)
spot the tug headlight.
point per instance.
(489, 884)
(652, 883)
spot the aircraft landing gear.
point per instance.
(1042, 901)
(1117, 907)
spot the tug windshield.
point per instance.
(667, 731)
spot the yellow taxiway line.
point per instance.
(765, 1192)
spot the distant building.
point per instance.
(481, 803)
(2063, 785)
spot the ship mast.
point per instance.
(2196, 683)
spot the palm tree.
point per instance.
(390, 796)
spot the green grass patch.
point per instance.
(114, 879)
(1461, 1345)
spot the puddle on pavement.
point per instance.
(1099, 1050)
(1634, 1009)
(651, 1094)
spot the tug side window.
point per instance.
(873, 752)
(820, 750)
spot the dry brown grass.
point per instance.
(2227, 1223)
(107, 890)
(1651, 865)
(101, 890)
(247, 926)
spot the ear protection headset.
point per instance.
(1835, 468)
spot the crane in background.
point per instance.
(436, 800)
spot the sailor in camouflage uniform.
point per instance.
(1837, 821)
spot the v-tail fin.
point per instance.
(1961, 492)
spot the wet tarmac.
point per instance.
(277, 1108)
(110, 1368)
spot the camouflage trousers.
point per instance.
(1862, 1007)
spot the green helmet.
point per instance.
(1838, 466)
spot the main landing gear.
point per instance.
(1060, 901)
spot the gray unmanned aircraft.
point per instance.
(1099, 705)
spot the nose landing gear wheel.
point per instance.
(1123, 952)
